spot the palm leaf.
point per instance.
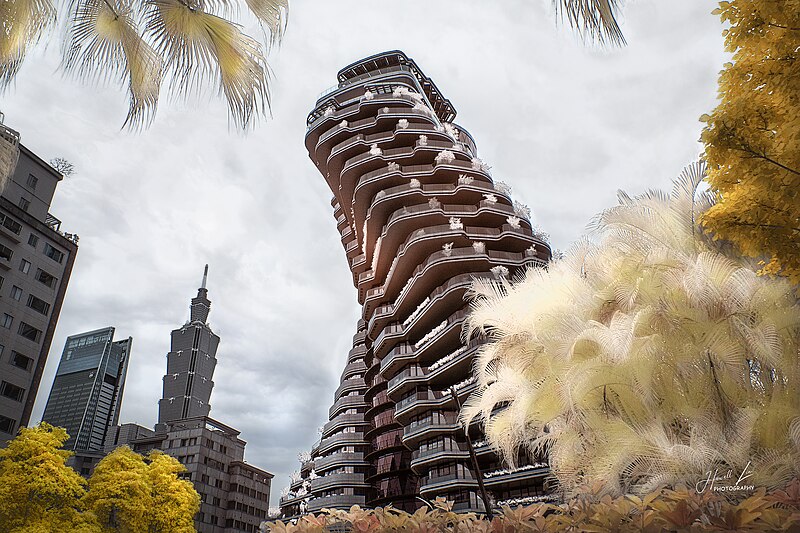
(198, 45)
(595, 19)
(103, 42)
(22, 23)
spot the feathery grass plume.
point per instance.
(647, 356)
(22, 23)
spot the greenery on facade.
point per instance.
(126, 493)
(663, 511)
(753, 137)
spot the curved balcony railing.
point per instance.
(341, 421)
(349, 385)
(333, 480)
(338, 501)
(345, 402)
(342, 439)
(338, 459)
(438, 483)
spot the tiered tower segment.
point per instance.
(420, 218)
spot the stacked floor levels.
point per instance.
(420, 218)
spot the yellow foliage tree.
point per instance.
(130, 493)
(753, 137)
(38, 491)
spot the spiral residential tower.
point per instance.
(420, 218)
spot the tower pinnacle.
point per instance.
(201, 305)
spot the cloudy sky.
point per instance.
(564, 123)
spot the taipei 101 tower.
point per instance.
(190, 364)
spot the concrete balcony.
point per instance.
(339, 501)
(346, 402)
(350, 385)
(341, 421)
(438, 484)
(342, 439)
(323, 464)
(332, 481)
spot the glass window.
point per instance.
(33, 240)
(9, 390)
(32, 181)
(45, 278)
(38, 305)
(7, 321)
(21, 361)
(24, 266)
(24, 203)
(16, 293)
(7, 424)
(52, 253)
(10, 223)
(6, 252)
(29, 332)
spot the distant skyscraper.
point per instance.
(87, 391)
(234, 495)
(36, 260)
(190, 364)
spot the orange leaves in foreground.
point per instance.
(667, 510)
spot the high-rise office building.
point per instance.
(87, 391)
(234, 494)
(190, 364)
(36, 260)
(420, 218)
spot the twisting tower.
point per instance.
(420, 217)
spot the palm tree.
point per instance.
(645, 357)
(145, 43)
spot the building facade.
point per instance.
(234, 494)
(87, 391)
(36, 260)
(420, 218)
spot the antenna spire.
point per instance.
(205, 277)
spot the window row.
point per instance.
(49, 250)
(24, 330)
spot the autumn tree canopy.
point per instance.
(38, 491)
(753, 137)
(127, 493)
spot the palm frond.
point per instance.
(22, 24)
(272, 14)
(595, 19)
(103, 43)
(198, 46)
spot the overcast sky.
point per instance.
(564, 124)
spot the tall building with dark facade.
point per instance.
(36, 260)
(234, 494)
(87, 391)
(420, 217)
(190, 364)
